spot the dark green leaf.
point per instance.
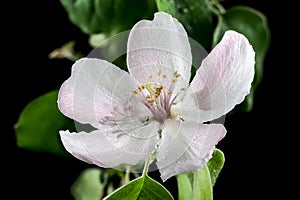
(107, 16)
(88, 186)
(215, 165)
(185, 190)
(254, 26)
(142, 188)
(39, 123)
(195, 15)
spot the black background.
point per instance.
(254, 146)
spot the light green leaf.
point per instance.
(195, 15)
(142, 188)
(88, 186)
(38, 126)
(199, 185)
(107, 16)
(215, 165)
(253, 24)
(202, 187)
(185, 190)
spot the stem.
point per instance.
(217, 8)
(146, 167)
(127, 174)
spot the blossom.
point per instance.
(154, 109)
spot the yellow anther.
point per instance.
(176, 74)
(134, 92)
(156, 96)
(159, 72)
(150, 101)
(174, 80)
(140, 88)
(164, 76)
(182, 89)
(148, 96)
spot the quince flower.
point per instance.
(155, 109)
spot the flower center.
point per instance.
(158, 98)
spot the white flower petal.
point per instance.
(224, 78)
(108, 149)
(99, 93)
(158, 49)
(186, 146)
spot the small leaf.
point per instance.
(253, 24)
(195, 15)
(202, 185)
(215, 165)
(88, 186)
(142, 188)
(107, 16)
(185, 190)
(39, 123)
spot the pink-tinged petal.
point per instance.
(224, 78)
(160, 49)
(186, 146)
(99, 93)
(108, 149)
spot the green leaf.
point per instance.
(107, 16)
(88, 186)
(195, 15)
(142, 188)
(215, 165)
(253, 24)
(39, 123)
(199, 185)
(185, 190)
(202, 187)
